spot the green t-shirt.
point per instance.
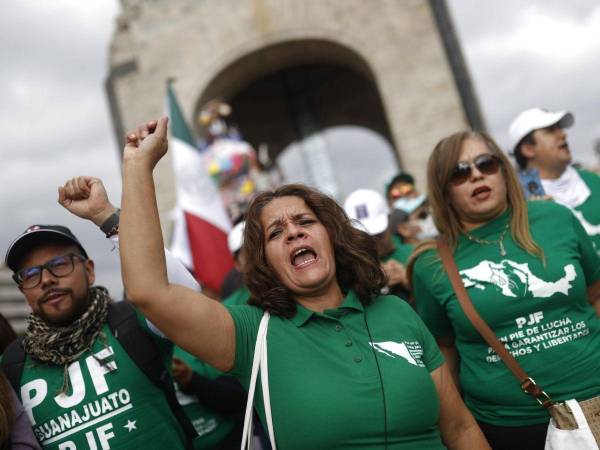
(324, 382)
(113, 406)
(590, 209)
(401, 251)
(541, 312)
(211, 427)
(238, 297)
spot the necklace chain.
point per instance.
(499, 241)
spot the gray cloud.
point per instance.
(54, 117)
(536, 54)
(53, 57)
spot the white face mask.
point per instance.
(428, 229)
(409, 204)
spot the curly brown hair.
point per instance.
(356, 261)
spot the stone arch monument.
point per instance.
(293, 67)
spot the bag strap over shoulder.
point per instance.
(259, 364)
(527, 383)
(144, 352)
(13, 361)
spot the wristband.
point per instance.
(110, 227)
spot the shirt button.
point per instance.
(348, 343)
(357, 359)
(338, 327)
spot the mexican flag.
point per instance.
(201, 222)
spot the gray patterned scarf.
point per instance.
(63, 345)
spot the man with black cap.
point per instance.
(90, 372)
(539, 143)
(401, 186)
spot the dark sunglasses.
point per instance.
(487, 164)
(60, 266)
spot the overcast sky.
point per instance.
(54, 116)
(55, 121)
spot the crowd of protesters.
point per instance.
(345, 310)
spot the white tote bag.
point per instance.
(259, 363)
(579, 439)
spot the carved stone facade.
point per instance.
(406, 50)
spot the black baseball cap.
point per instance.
(37, 235)
(402, 177)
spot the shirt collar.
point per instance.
(351, 301)
(302, 315)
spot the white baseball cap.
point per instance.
(235, 238)
(370, 209)
(534, 119)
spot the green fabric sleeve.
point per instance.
(247, 320)
(165, 346)
(590, 261)
(432, 355)
(427, 305)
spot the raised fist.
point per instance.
(147, 143)
(86, 198)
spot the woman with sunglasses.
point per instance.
(531, 273)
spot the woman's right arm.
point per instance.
(448, 348)
(429, 308)
(194, 322)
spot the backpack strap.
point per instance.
(13, 361)
(144, 352)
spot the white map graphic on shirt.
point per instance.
(590, 229)
(515, 280)
(391, 348)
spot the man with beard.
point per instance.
(539, 142)
(91, 373)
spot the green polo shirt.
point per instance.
(325, 386)
(401, 251)
(540, 310)
(590, 209)
(238, 297)
(114, 406)
(211, 427)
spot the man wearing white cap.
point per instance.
(370, 213)
(539, 142)
(240, 294)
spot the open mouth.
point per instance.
(302, 257)
(480, 190)
(565, 147)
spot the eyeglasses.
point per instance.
(487, 164)
(61, 266)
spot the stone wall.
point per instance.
(205, 45)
